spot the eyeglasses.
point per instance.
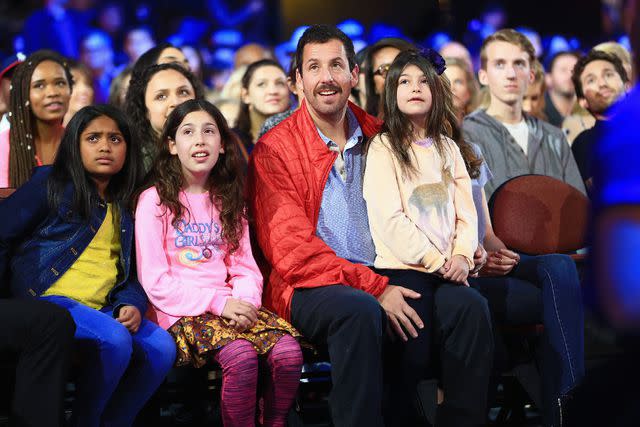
(382, 70)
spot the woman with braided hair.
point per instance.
(40, 91)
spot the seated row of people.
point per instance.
(393, 256)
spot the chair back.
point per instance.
(537, 214)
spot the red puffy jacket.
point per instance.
(287, 173)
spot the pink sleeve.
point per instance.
(4, 159)
(244, 274)
(164, 291)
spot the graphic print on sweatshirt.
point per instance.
(192, 240)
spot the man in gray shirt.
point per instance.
(513, 143)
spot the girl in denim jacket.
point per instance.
(66, 236)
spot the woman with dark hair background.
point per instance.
(150, 99)
(377, 61)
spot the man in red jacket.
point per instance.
(305, 193)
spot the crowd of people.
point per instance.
(341, 203)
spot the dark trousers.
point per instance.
(464, 339)
(39, 335)
(351, 323)
(408, 362)
(353, 326)
(544, 289)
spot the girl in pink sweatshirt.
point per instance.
(195, 264)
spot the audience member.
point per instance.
(561, 95)
(533, 102)
(600, 80)
(150, 99)
(264, 93)
(457, 50)
(414, 168)
(39, 336)
(55, 27)
(514, 143)
(579, 120)
(97, 55)
(40, 92)
(137, 41)
(75, 217)
(295, 86)
(463, 87)
(206, 290)
(379, 57)
(250, 53)
(9, 65)
(621, 52)
(161, 53)
(319, 279)
(82, 93)
(119, 87)
(522, 289)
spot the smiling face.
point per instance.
(166, 90)
(601, 86)
(413, 94)
(326, 78)
(197, 144)
(268, 92)
(508, 72)
(49, 92)
(103, 149)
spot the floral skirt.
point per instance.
(199, 337)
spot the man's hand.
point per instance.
(479, 260)
(401, 316)
(500, 263)
(130, 318)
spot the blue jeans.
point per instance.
(119, 370)
(544, 289)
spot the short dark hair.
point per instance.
(322, 34)
(596, 55)
(551, 61)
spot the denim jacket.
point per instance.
(38, 245)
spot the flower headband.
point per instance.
(435, 58)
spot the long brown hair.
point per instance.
(224, 182)
(243, 121)
(22, 148)
(440, 121)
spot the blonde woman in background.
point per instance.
(533, 102)
(463, 86)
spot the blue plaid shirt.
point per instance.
(343, 223)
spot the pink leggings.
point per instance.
(239, 362)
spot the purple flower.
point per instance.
(436, 60)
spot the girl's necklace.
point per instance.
(207, 245)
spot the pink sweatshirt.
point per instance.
(177, 278)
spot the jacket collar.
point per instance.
(369, 125)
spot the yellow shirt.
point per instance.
(90, 279)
